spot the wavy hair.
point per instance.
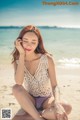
(40, 48)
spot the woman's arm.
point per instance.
(19, 70)
(60, 112)
(53, 80)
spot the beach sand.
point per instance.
(68, 80)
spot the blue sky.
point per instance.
(24, 12)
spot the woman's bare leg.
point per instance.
(49, 111)
(26, 102)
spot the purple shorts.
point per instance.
(39, 101)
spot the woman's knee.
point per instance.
(16, 89)
(67, 108)
(48, 113)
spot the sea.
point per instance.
(62, 43)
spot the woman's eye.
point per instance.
(25, 41)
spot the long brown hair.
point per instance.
(40, 48)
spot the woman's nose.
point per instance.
(29, 44)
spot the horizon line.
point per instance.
(44, 26)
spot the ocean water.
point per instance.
(62, 43)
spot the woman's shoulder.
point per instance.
(50, 58)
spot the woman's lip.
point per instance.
(27, 49)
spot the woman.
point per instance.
(35, 68)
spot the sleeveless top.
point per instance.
(38, 84)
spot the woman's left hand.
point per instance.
(60, 112)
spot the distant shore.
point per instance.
(44, 27)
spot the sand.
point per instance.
(68, 80)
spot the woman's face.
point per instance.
(30, 42)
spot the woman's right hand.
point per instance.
(60, 112)
(19, 46)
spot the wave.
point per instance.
(69, 62)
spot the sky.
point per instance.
(25, 12)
